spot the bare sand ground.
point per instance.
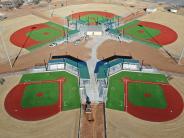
(123, 125)
(63, 125)
(43, 54)
(24, 10)
(149, 55)
(174, 22)
(130, 3)
(8, 28)
(67, 10)
(178, 83)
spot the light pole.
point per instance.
(181, 56)
(49, 1)
(23, 45)
(160, 45)
(53, 10)
(4, 47)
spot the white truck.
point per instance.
(57, 42)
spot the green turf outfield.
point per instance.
(132, 31)
(141, 33)
(62, 28)
(115, 96)
(155, 96)
(44, 34)
(49, 93)
(92, 18)
(57, 26)
(70, 93)
(54, 32)
(129, 25)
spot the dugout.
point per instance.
(72, 65)
(109, 66)
(56, 64)
(131, 64)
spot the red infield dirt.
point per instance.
(40, 94)
(166, 35)
(79, 14)
(20, 39)
(174, 104)
(147, 95)
(13, 104)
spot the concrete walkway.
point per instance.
(92, 89)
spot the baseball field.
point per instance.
(139, 105)
(149, 33)
(38, 35)
(93, 17)
(144, 95)
(40, 95)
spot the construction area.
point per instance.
(91, 69)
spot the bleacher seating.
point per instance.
(102, 67)
(79, 64)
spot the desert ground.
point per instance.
(66, 124)
(34, 59)
(152, 56)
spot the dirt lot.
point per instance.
(63, 124)
(123, 125)
(65, 11)
(178, 83)
(150, 56)
(38, 56)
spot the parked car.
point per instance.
(53, 44)
(2, 17)
(59, 42)
(77, 42)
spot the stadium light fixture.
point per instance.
(181, 56)
(6, 51)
